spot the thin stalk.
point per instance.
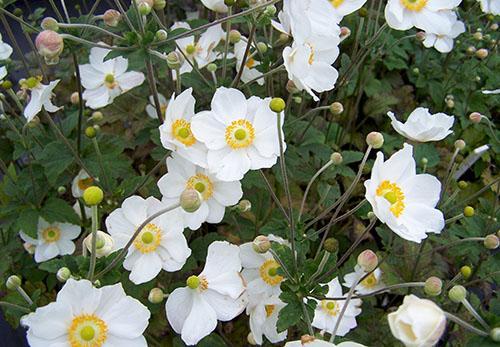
(25, 295)
(93, 255)
(417, 261)
(342, 217)
(124, 15)
(19, 20)
(80, 103)
(101, 163)
(449, 172)
(320, 269)
(273, 195)
(92, 27)
(154, 90)
(344, 308)
(474, 313)
(464, 324)
(264, 75)
(282, 265)
(454, 219)
(13, 40)
(245, 56)
(481, 191)
(65, 10)
(308, 113)
(15, 307)
(149, 174)
(178, 81)
(307, 318)
(316, 175)
(93, 44)
(226, 44)
(379, 291)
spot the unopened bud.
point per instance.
(495, 334)
(161, 35)
(49, 23)
(30, 248)
(420, 36)
(277, 105)
(13, 282)
(159, 4)
(363, 12)
(331, 245)
(93, 195)
(49, 45)
(457, 293)
(75, 98)
(144, 7)
(270, 11)
(371, 215)
(97, 116)
(477, 36)
(345, 32)
(7, 84)
(466, 271)
(470, 50)
(34, 122)
(190, 200)
(104, 244)
(61, 190)
(481, 53)
(297, 99)
(63, 274)
(462, 185)
(433, 286)
(212, 67)
(424, 161)
(112, 18)
(234, 36)
(336, 158)
(491, 241)
(367, 260)
(469, 211)
(375, 139)
(475, 117)
(494, 26)
(251, 340)
(450, 103)
(90, 132)
(156, 296)
(283, 39)
(261, 244)
(460, 144)
(174, 60)
(262, 47)
(244, 206)
(336, 108)
(416, 71)
(229, 2)
(291, 87)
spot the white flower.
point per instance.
(443, 41)
(488, 92)
(417, 322)
(81, 182)
(53, 239)
(104, 244)
(240, 134)
(490, 6)
(216, 194)
(5, 53)
(371, 283)
(328, 311)
(151, 108)
(422, 126)
(309, 341)
(344, 7)
(160, 245)
(105, 80)
(3, 72)
(86, 316)
(78, 211)
(213, 295)
(215, 5)
(41, 96)
(402, 199)
(263, 312)
(249, 69)
(430, 16)
(175, 132)
(259, 272)
(199, 51)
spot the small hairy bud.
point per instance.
(144, 6)
(336, 158)
(270, 11)
(297, 99)
(90, 132)
(283, 39)
(49, 45)
(475, 117)
(277, 105)
(477, 36)
(460, 144)
(159, 4)
(251, 340)
(494, 26)
(424, 161)
(470, 50)
(331, 245)
(495, 334)
(466, 271)
(291, 87)
(375, 139)
(161, 35)
(450, 103)
(190, 200)
(482, 53)
(261, 244)
(336, 108)
(97, 116)
(244, 206)
(262, 47)
(433, 286)
(93, 195)
(13, 282)
(174, 60)
(112, 18)
(75, 98)
(234, 36)
(212, 67)
(491, 242)
(457, 294)
(462, 185)
(367, 260)
(345, 32)
(420, 36)
(469, 211)
(49, 23)
(63, 274)
(156, 296)
(61, 190)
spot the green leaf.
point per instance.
(290, 314)
(28, 222)
(55, 158)
(57, 210)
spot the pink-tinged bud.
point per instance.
(112, 18)
(475, 117)
(50, 45)
(49, 23)
(491, 241)
(291, 87)
(433, 286)
(345, 32)
(420, 36)
(190, 200)
(261, 244)
(375, 139)
(75, 98)
(367, 260)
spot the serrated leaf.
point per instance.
(58, 210)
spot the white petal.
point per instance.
(200, 321)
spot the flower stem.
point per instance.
(15, 307)
(264, 75)
(464, 324)
(316, 175)
(380, 291)
(474, 313)
(101, 163)
(320, 269)
(454, 219)
(226, 43)
(273, 194)
(344, 308)
(307, 318)
(90, 26)
(245, 56)
(25, 296)
(93, 255)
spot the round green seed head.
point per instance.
(93, 195)
(277, 105)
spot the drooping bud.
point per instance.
(244, 206)
(277, 105)
(50, 46)
(93, 195)
(75, 98)
(161, 35)
(261, 244)
(420, 36)
(433, 286)
(460, 144)
(469, 211)
(331, 245)
(156, 296)
(336, 108)
(457, 293)
(174, 60)
(475, 117)
(112, 18)
(13, 282)
(375, 139)
(367, 260)
(336, 158)
(49, 23)
(104, 244)
(491, 242)
(234, 36)
(466, 271)
(482, 53)
(190, 200)
(63, 274)
(159, 4)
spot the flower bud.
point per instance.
(291, 87)
(174, 60)
(283, 39)
(75, 98)
(262, 47)
(90, 132)
(470, 50)
(156, 296)
(212, 67)
(475, 117)
(420, 36)
(433, 286)
(491, 242)
(161, 35)
(13, 282)
(367, 260)
(49, 45)
(30, 248)
(363, 12)
(244, 206)
(457, 294)
(345, 32)
(190, 200)
(459, 144)
(336, 158)
(159, 4)
(481, 53)
(375, 139)
(450, 103)
(462, 185)
(7, 84)
(494, 26)
(277, 105)
(97, 116)
(416, 71)
(261, 244)
(63, 274)
(495, 334)
(424, 161)
(466, 271)
(93, 195)
(49, 23)
(331, 245)
(104, 244)
(468, 211)
(144, 6)
(297, 99)
(477, 36)
(234, 36)
(270, 11)
(336, 108)
(61, 190)
(251, 340)
(371, 215)
(112, 18)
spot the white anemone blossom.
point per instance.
(105, 80)
(371, 283)
(430, 16)
(240, 134)
(344, 7)
(328, 311)
(215, 5)
(53, 239)
(161, 243)
(81, 182)
(151, 108)
(490, 6)
(216, 194)
(83, 315)
(263, 312)
(215, 294)
(403, 200)
(175, 132)
(310, 341)
(422, 126)
(5, 53)
(199, 51)
(40, 98)
(250, 71)
(443, 41)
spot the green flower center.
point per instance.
(32, 82)
(99, 243)
(184, 133)
(147, 237)
(193, 282)
(110, 78)
(391, 197)
(240, 134)
(200, 187)
(190, 49)
(87, 333)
